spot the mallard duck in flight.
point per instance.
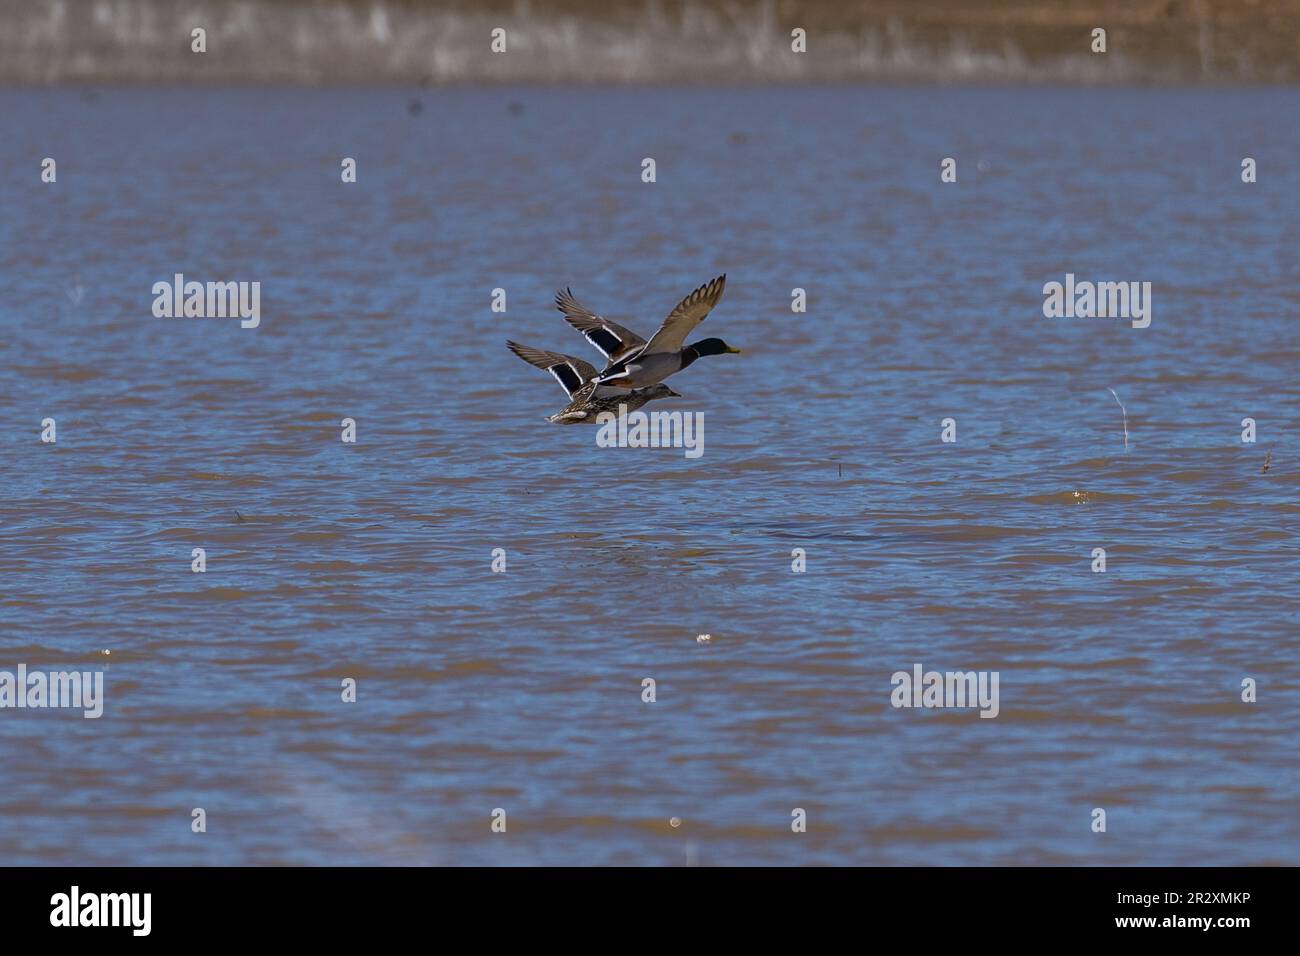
(632, 361)
(586, 401)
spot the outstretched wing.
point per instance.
(613, 341)
(689, 313)
(572, 373)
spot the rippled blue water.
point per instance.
(522, 690)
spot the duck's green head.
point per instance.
(713, 347)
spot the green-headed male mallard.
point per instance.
(632, 361)
(587, 400)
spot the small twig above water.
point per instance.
(1124, 413)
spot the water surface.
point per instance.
(522, 690)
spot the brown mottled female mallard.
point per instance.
(588, 400)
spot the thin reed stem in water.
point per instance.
(1124, 413)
